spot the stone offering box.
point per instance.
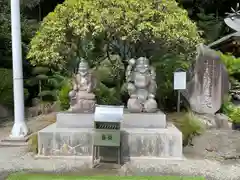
(143, 135)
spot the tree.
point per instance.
(6, 88)
(137, 26)
(97, 30)
(209, 15)
(28, 29)
(49, 83)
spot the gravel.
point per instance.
(14, 159)
(219, 145)
(211, 170)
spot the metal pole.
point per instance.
(178, 101)
(19, 129)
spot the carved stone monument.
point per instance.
(82, 98)
(209, 85)
(141, 86)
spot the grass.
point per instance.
(26, 176)
(190, 126)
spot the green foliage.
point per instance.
(26, 94)
(107, 96)
(40, 70)
(30, 3)
(49, 83)
(125, 27)
(110, 71)
(190, 126)
(110, 74)
(63, 96)
(232, 63)
(48, 95)
(28, 29)
(6, 87)
(228, 108)
(231, 110)
(211, 25)
(107, 33)
(209, 16)
(235, 115)
(165, 68)
(33, 143)
(233, 67)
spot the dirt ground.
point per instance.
(34, 124)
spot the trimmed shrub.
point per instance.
(63, 96)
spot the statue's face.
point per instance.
(83, 70)
(142, 68)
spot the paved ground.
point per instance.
(14, 159)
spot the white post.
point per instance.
(19, 129)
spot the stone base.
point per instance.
(130, 120)
(136, 142)
(10, 141)
(158, 143)
(74, 120)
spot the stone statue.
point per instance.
(141, 86)
(82, 98)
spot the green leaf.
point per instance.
(40, 70)
(41, 77)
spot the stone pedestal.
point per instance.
(142, 135)
(138, 142)
(12, 141)
(130, 120)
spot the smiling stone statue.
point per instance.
(141, 86)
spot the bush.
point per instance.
(6, 87)
(235, 115)
(231, 110)
(228, 108)
(232, 64)
(63, 96)
(190, 126)
(107, 96)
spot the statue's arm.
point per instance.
(153, 73)
(75, 83)
(129, 73)
(153, 84)
(129, 70)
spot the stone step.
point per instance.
(130, 120)
(136, 142)
(13, 144)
